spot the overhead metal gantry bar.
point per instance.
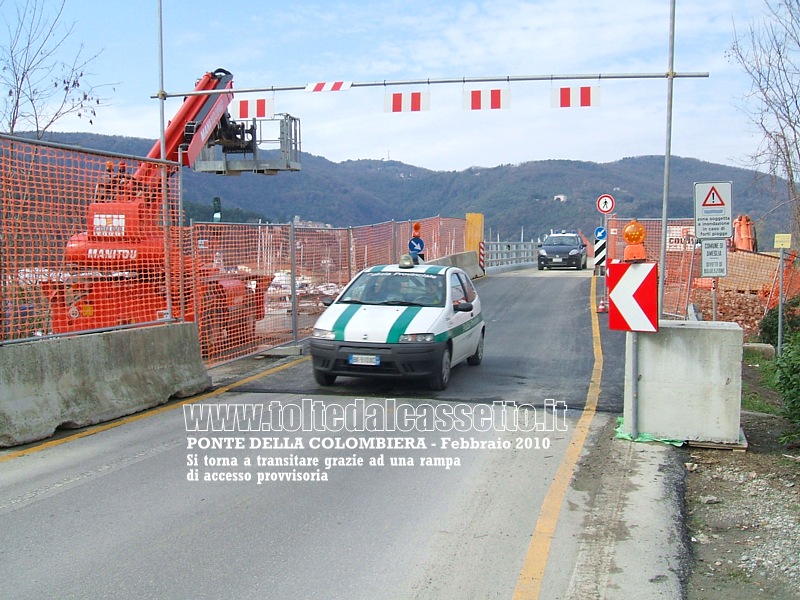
(449, 80)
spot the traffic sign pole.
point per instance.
(780, 304)
(599, 262)
(782, 241)
(605, 267)
(605, 204)
(713, 225)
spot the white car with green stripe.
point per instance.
(401, 320)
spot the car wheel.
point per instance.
(441, 378)
(539, 266)
(323, 378)
(476, 358)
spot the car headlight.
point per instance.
(323, 334)
(574, 251)
(542, 252)
(416, 337)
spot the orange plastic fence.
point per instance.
(88, 246)
(84, 246)
(262, 285)
(750, 288)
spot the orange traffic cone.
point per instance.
(601, 308)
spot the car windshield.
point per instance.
(561, 240)
(393, 288)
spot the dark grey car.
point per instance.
(562, 250)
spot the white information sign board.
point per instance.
(712, 210)
(783, 240)
(713, 258)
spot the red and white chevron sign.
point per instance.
(632, 296)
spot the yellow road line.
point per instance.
(151, 412)
(530, 577)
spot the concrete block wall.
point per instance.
(690, 381)
(87, 379)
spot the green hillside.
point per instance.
(530, 197)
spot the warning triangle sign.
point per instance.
(713, 198)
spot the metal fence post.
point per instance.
(350, 251)
(167, 217)
(394, 240)
(293, 280)
(181, 244)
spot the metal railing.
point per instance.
(510, 253)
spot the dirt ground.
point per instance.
(743, 513)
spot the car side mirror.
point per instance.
(327, 300)
(463, 307)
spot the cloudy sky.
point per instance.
(287, 44)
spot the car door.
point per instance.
(474, 331)
(459, 320)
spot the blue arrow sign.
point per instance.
(600, 233)
(416, 245)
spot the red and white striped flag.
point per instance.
(407, 102)
(485, 99)
(261, 108)
(329, 86)
(568, 97)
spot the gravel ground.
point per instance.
(743, 516)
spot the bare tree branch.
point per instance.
(769, 53)
(39, 86)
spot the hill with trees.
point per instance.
(522, 199)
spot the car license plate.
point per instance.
(556, 259)
(365, 359)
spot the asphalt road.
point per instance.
(538, 347)
(114, 514)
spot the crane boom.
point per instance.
(194, 123)
(120, 270)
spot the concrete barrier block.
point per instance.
(88, 379)
(689, 383)
(765, 350)
(463, 260)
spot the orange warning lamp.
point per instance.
(415, 229)
(634, 233)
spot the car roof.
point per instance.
(551, 236)
(421, 268)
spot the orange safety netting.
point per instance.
(84, 245)
(88, 241)
(273, 277)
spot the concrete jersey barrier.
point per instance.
(83, 380)
(463, 260)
